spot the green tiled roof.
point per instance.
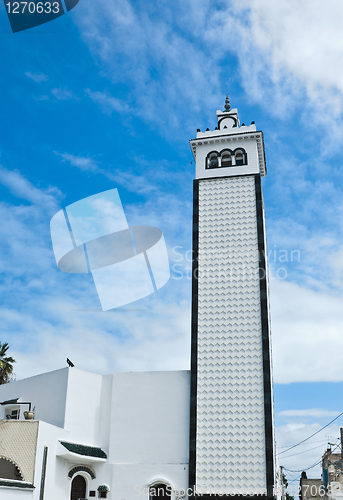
(10, 401)
(16, 484)
(80, 449)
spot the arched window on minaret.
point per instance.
(226, 159)
(240, 157)
(213, 160)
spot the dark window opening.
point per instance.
(239, 158)
(92, 493)
(213, 163)
(8, 470)
(102, 494)
(160, 491)
(226, 160)
(14, 415)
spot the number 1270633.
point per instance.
(32, 7)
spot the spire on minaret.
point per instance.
(227, 103)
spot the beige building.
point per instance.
(333, 474)
(330, 486)
(310, 489)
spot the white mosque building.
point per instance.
(207, 432)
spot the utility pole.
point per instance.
(341, 429)
(283, 492)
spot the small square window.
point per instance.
(102, 494)
(92, 493)
(14, 415)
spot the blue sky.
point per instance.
(109, 96)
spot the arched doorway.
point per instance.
(78, 488)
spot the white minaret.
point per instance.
(231, 428)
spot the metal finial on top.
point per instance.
(227, 103)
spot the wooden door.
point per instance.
(78, 488)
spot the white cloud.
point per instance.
(63, 94)
(145, 338)
(25, 250)
(23, 189)
(302, 37)
(41, 98)
(83, 163)
(336, 262)
(36, 77)
(47, 315)
(288, 55)
(306, 329)
(309, 453)
(175, 71)
(287, 50)
(311, 412)
(168, 78)
(151, 182)
(109, 103)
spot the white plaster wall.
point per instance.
(148, 414)
(58, 484)
(83, 406)
(150, 418)
(56, 480)
(15, 494)
(132, 481)
(46, 392)
(103, 430)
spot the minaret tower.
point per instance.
(231, 428)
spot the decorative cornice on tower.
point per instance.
(228, 131)
(242, 136)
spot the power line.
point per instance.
(303, 441)
(313, 442)
(292, 477)
(301, 452)
(316, 463)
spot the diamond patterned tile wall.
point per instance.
(230, 433)
(18, 442)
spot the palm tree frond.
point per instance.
(6, 364)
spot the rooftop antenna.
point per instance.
(70, 363)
